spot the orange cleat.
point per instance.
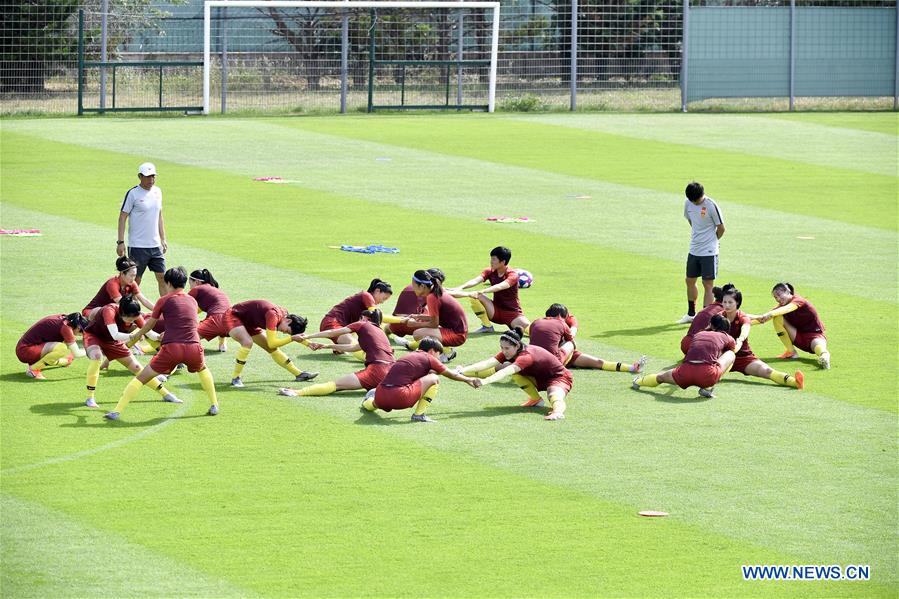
(800, 379)
(35, 374)
(788, 355)
(532, 402)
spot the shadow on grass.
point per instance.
(53, 376)
(640, 331)
(93, 417)
(492, 411)
(668, 395)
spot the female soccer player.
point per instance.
(504, 308)
(407, 304)
(349, 310)
(109, 336)
(211, 300)
(745, 361)
(532, 368)
(443, 320)
(411, 382)
(710, 355)
(371, 341)
(797, 325)
(701, 320)
(180, 344)
(553, 334)
(50, 342)
(121, 284)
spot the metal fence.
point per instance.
(554, 54)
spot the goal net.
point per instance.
(309, 55)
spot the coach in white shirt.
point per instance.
(146, 231)
(707, 226)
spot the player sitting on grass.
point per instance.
(372, 342)
(351, 308)
(50, 342)
(797, 325)
(444, 319)
(554, 335)
(711, 355)
(701, 321)
(109, 336)
(180, 344)
(412, 381)
(745, 361)
(533, 369)
(117, 286)
(504, 308)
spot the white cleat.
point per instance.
(634, 384)
(685, 319)
(824, 360)
(287, 392)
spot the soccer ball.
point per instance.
(525, 279)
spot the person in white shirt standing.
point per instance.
(146, 231)
(707, 225)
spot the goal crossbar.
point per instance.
(349, 4)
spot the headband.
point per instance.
(427, 282)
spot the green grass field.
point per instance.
(306, 497)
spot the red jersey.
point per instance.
(111, 291)
(373, 342)
(48, 329)
(804, 319)
(507, 299)
(449, 312)
(407, 302)
(571, 321)
(735, 327)
(412, 367)
(350, 309)
(550, 333)
(704, 317)
(540, 364)
(211, 300)
(708, 346)
(259, 314)
(99, 326)
(180, 313)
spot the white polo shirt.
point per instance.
(704, 219)
(143, 208)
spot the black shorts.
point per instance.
(147, 257)
(705, 266)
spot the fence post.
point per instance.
(792, 53)
(223, 30)
(573, 82)
(459, 60)
(80, 61)
(896, 77)
(371, 59)
(685, 39)
(104, 13)
(344, 59)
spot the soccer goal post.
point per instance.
(308, 55)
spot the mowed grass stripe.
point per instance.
(647, 223)
(887, 123)
(48, 554)
(796, 140)
(692, 464)
(737, 177)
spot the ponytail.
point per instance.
(76, 321)
(124, 263)
(374, 315)
(557, 310)
(424, 277)
(297, 323)
(204, 276)
(784, 287)
(128, 306)
(379, 285)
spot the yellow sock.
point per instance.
(240, 360)
(778, 323)
(157, 385)
(93, 374)
(527, 385)
(284, 362)
(147, 348)
(615, 366)
(369, 404)
(782, 378)
(413, 345)
(319, 389)
(527, 331)
(426, 399)
(359, 355)
(480, 311)
(557, 402)
(130, 392)
(208, 385)
(820, 349)
(650, 380)
(60, 350)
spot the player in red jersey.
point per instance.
(50, 342)
(745, 361)
(113, 289)
(180, 344)
(352, 307)
(710, 355)
(109, 336)
(413, 381)
(211, 300)
(797, 324)
(407, 304)
(701, 321)
(553, 334)
(532, 368)
(444, 319)
(504, 308)
(245, 323)
(371, 341)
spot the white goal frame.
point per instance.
(210, 4)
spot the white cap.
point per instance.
(147, 169)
